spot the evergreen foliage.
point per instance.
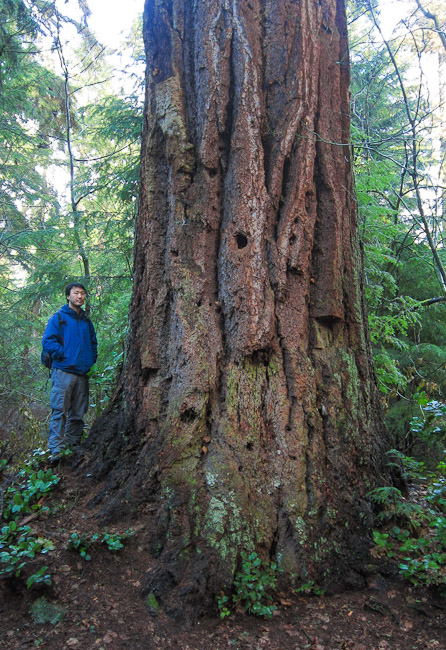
(69, 166)
(396, 128)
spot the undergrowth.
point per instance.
(254, 585)
(23, 493)
(412, 529)
(82, 542)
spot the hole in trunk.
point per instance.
(188, 416)
(242, 240)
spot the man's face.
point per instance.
(76, 298)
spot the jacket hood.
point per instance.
(70, 312)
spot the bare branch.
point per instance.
(430, 16)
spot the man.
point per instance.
(70, 339)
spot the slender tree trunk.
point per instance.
(74, 199)
(248, 416)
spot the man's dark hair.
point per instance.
(72, 285)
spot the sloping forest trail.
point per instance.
(98, 603)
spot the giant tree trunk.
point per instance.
(248, 416)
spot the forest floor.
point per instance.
(97, 604)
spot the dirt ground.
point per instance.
(97, 604)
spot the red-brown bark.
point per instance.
(248, 412)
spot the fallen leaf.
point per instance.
(72, 642)
(291, 630)
(406, 626)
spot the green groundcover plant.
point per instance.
(23, 494)
(413, 528)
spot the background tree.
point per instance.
(397, 129)
(30, 121)
(247, 418)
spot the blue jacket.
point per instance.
(79, 349)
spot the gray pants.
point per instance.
(69, 403)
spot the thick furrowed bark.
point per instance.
(251, 414)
